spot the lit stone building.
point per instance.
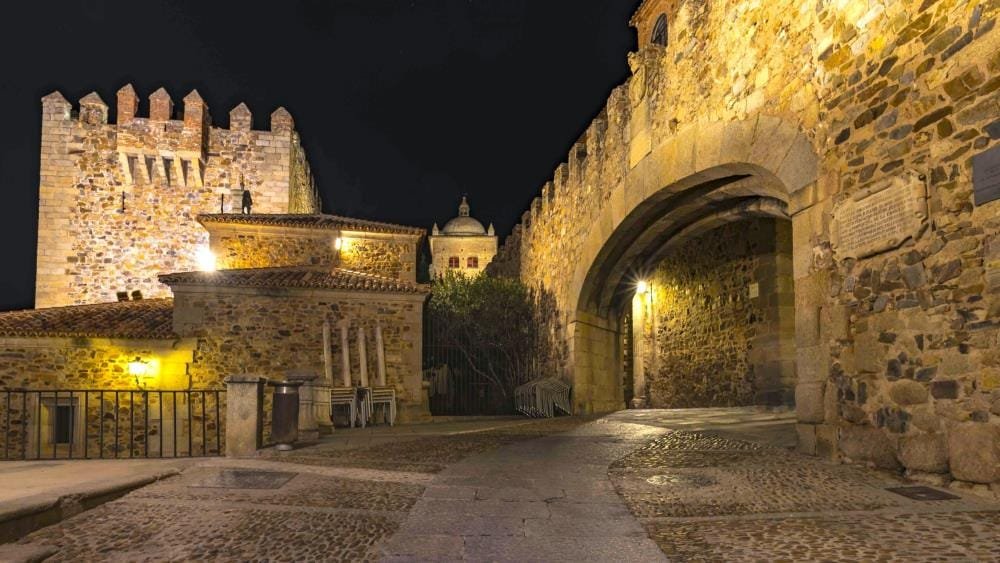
(790, 202)
(463, 246)
(144, 285)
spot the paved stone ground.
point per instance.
(682, 485)
(338, 499)
(702, 497)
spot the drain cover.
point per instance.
(246, 479)
(922, 493)
(682, 480)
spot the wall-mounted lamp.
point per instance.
(642, 287)
(206, 259)
(338, 243)
(138, 369)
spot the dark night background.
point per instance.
(402, 105)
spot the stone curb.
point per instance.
(20, 517)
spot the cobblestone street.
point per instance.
(684, 485)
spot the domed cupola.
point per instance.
(463, 224)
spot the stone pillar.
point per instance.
(345, 355)
(639, 319)
(327, 354)
(244, 414)
(308, 424)
(362, 357)
(380, 352)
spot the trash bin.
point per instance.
(285, 414)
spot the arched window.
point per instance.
(453, 262)
(472, 262)
(660, 31)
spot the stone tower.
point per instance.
(117, 202)
(463, 245)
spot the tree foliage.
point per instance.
(487, 324)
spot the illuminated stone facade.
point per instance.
(723, 326)
(786, 109)
(118, 202)
(259, 241)
(463, 246)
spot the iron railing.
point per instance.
(115, 424)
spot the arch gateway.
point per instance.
(790, 203)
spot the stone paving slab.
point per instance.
(704, 496)
(323, 508)
(520, 509)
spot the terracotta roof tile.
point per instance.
(306, 278)
(317, 221)
(146, 319)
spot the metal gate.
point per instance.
(103, 423)
(466, 379)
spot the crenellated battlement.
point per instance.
(117, 200)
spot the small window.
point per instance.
(62, 430)
(168, 169)
(453, 262)
(660, 31)
(472, 262)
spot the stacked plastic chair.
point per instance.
(543, 398)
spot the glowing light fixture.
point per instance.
(642, 287)
(206, 260)
(138, 368)
(338, 243)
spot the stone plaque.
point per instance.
(880, 217)
(986, 176)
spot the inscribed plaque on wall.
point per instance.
(880, 217)
(986, 176)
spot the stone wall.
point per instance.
(117, 202)
(810, 104)
(443, 247)
(267, 249)
(722, 304)
(93, 367)
(389, 256)
(273, 331)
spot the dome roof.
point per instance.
(463, 224)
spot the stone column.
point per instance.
(308, 423)
(380, 352)
(244, 414)
(639, 398)
(345, 355)
(362, 357)
(327, 353)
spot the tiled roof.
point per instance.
(317, 221)
(147, 319)
(306, 278)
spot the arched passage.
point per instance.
(703, 177)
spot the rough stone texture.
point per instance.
(866, 444)
(974, 452)
(924, 452)
(390, 257)
(857, 94)
(169, 171)
(274, 331)
(463, 247)
(704, 498)
(238, 244)
(716, 341)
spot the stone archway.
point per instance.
(704, 176)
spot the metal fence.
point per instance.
(103, 424)
(468, 379)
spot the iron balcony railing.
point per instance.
(115, 424)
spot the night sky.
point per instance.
(402, 105)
